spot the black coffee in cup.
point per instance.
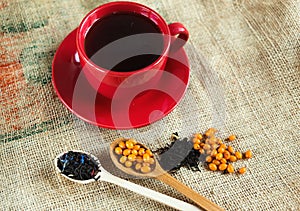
(123, 42)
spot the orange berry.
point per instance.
(242, 170)
(145, 169)
(206, 147)
(231, 138)
(230, 168)
(118, 150)
(133, 141)
(123, 159)
(221, 150)
(212, 167)
(248, 154)
(129, 144)
(208, 159)
(230, 149)
(148, 151)
(232, 158)
(196, 141)
(139, 159)
(219, 156)
(208, 152)
(222, 166)
(134, 152)
(196, 146)
(122, 145)
(128, 164)
(223, 160)
(126, 152)
(137, 147)
(142, 151)
(226, 154)
(198, 136)
(238, 155)
(131, 157)
(146, 157)
(213, 153)
(216, 162)
(138, 166)
(151, 161)
(223, 146)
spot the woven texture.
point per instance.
(245, 75)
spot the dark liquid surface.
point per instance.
(137, 48)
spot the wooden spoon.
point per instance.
(159, 174)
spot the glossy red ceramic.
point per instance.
(106, 82)
(140, 110)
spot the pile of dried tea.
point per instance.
(77, 165)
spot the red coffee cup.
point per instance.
(106, 81)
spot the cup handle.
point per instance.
(179, 34)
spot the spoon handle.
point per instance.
(167, 200)
(188, 192)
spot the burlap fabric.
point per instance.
(244, 58)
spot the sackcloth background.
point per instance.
(244, 58)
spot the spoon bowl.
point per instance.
(160, 174)
(102, 175)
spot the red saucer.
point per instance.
(145, 108)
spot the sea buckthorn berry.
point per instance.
(138, 166)
(148, 151)
(208, 159)
(126, 152)
(226, 154)
(196, 141)
(122, 145)
(219, 156)
(214, 146)
(210, 132)
(134, 152)
(133, 141)
(206, 147)
(146, 157)
(213, 153)
(201, 151)
(123, 159)
(216, 162)
(142, 151)
(223, 146)
(128, 164)
(137, 147)
(212, 167)
(242, 170)
(222, 166)
(220, 142)
(198, 136)
(131, 157)
(196, 146)
(146, 164)
(232, 158)
(221, 150)
(208, 152)
(223, 160)
(231, 138)
(145, 169)
(230, 168)
(129, 144)
(248, 154)
(118, 150)
(202, 144)
(139, 159)
(151, 161)
(230, 149)
(238, 155)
